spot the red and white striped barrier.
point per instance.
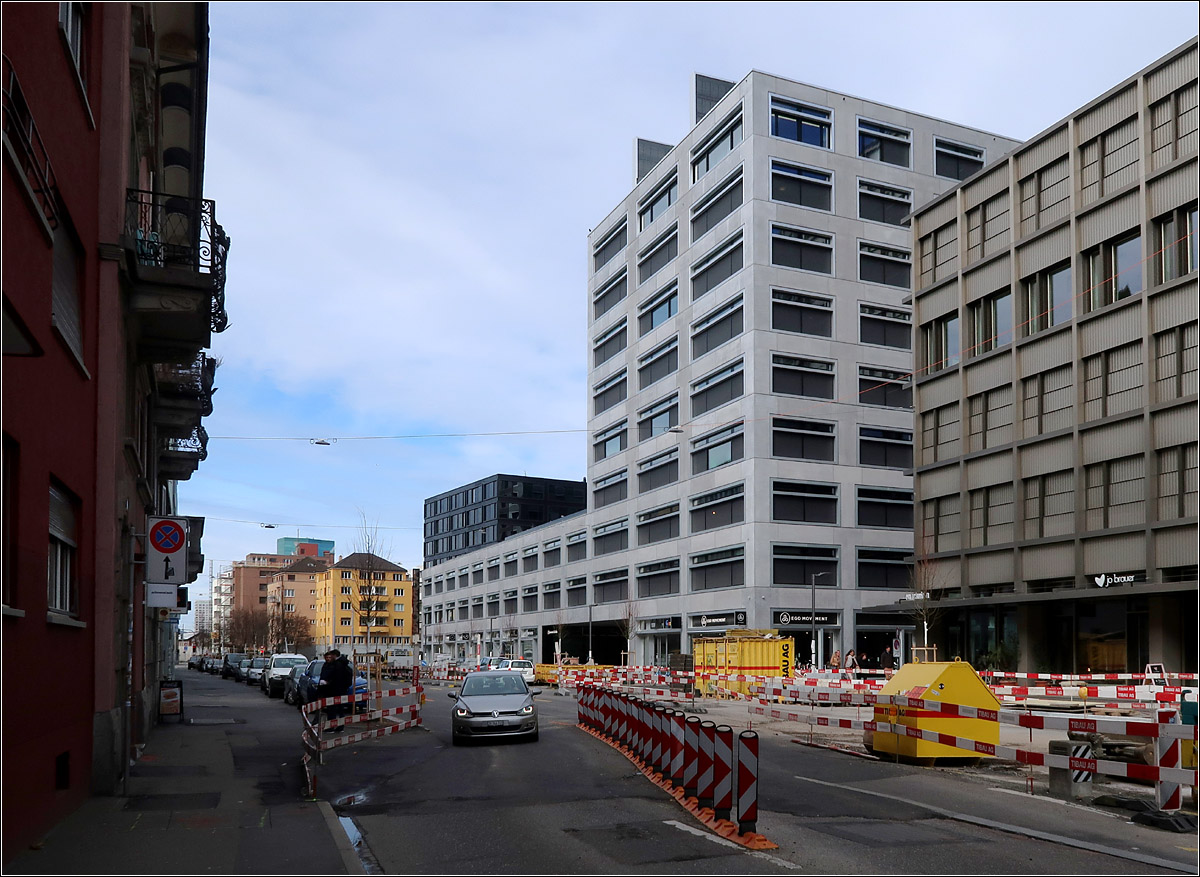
(1037, 721)
(1083, 677)
(1154, 693)
(1150, 773)
(311, 735)
(705, 777)
(1168, 795)
(1166, 734)
(691, 754)
(676, 727)
(747, 784)
(723, 771)
(693, 760)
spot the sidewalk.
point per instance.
(194, 806)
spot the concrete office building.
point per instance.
(749, 354)
(1056, 296)
(492, 509)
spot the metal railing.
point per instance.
(23, 136)
(172, 231)
(196, 443)
(195, 379)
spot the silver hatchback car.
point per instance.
(493, 704)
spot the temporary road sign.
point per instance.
(166, 557)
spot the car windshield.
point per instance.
(483, 686)
(290, 662)
(258, 662)
(245, 663)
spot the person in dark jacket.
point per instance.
(337, 680)
(886, 660)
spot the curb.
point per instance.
(345, 849)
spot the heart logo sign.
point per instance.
(1102, 580)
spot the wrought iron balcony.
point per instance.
(180, 457)
(184, 395)
(175, 257)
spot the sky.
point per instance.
(409, 189)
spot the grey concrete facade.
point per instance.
(728, 454)
(1055, 397)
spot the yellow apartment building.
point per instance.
(363, 600)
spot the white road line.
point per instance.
(699, 832)
(1017, 829)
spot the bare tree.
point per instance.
(626, 624)
(372, 592)
(925, 580)
(249, 629)
(291, 631)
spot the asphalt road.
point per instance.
(571, 804)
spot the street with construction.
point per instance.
(934, 770)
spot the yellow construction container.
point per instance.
(741, 653)
(954, 682)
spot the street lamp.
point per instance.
(812, 579)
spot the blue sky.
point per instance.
(409, 189)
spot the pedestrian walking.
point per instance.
(835, 663)
(337, 680)
(851, 663)
(886, 660)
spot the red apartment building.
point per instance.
(113, 283)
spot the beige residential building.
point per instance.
(1056, 389)
(293, 593)
(364, 600)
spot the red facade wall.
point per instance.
(64, 415)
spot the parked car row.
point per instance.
(495, 700)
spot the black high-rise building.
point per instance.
(492, 509)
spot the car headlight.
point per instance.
(527, 710)
(462, 712)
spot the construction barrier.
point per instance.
(692, 760)
(747, 784)
(1084, 677)
(723, 771)
(395, 718)
(1167, 795)
(1166, 772)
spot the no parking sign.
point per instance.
(166, 551)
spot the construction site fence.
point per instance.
(680, 684)
(1163, 728)
(368, 715)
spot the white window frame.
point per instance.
(883, 130)
(811, 171)
(647, 202)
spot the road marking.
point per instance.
(699, 832)
(1016, 829)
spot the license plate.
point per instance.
(493, 724)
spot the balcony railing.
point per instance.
(22, 134)
(171, 231)
(181, 457)
(193, 381)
